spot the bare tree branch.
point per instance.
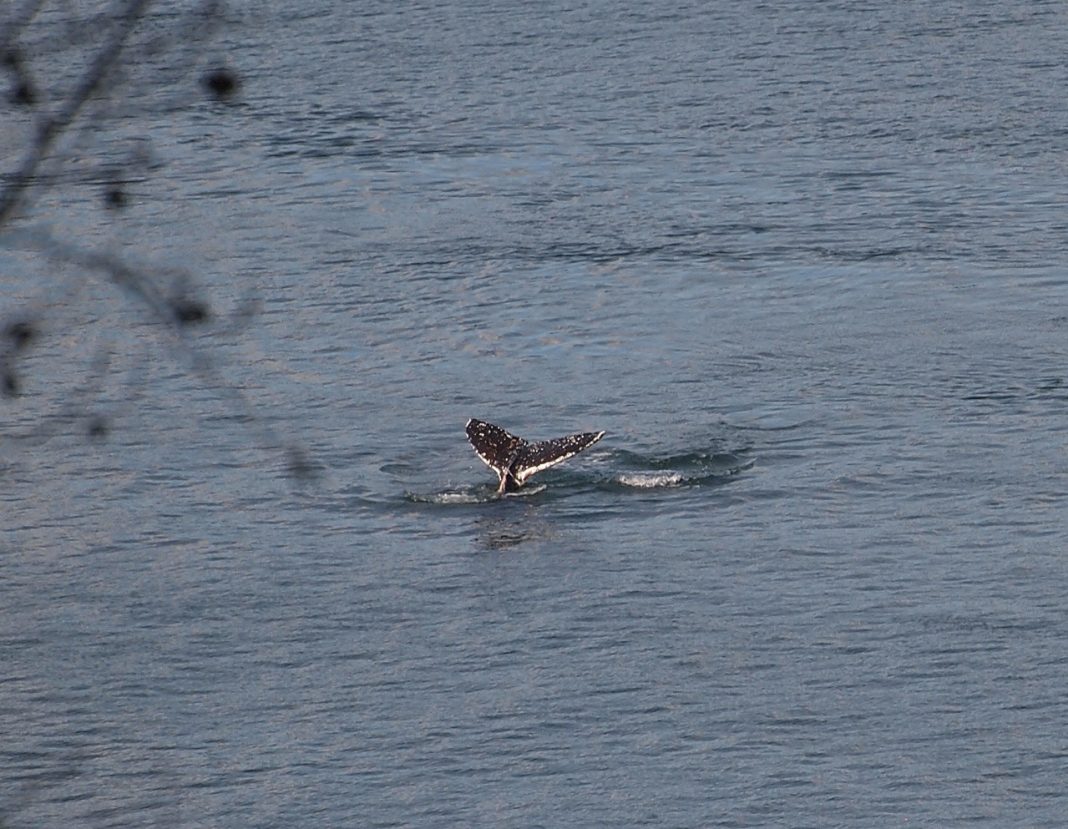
(165, 292)
(53, 127)
(19, 22)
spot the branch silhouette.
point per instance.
(162, 291)
(50, 128)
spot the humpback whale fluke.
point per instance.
(514, 459)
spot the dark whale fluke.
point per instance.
(514, 459)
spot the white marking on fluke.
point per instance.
(514, 459)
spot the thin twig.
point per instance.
(16, 24)
(52, 128)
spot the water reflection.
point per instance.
(507, 528)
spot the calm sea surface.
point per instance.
(805, 263)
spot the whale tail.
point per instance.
(514, 459)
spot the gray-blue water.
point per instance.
(805, 263)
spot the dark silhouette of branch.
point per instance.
(52, 127)
(13, 28)
(175, 311)
(165, 292)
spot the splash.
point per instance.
(474, 495)
(651, 480)
(697, 468)
(450, 498)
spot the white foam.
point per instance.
(448, 498)
(478, 495)
(651, 480)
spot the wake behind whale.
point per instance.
(515, 460)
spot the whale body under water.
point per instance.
(514, 459)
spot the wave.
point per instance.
(679, 470)
(650, 480)
(469, 495)
(613, 471)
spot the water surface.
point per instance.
(805, 267)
